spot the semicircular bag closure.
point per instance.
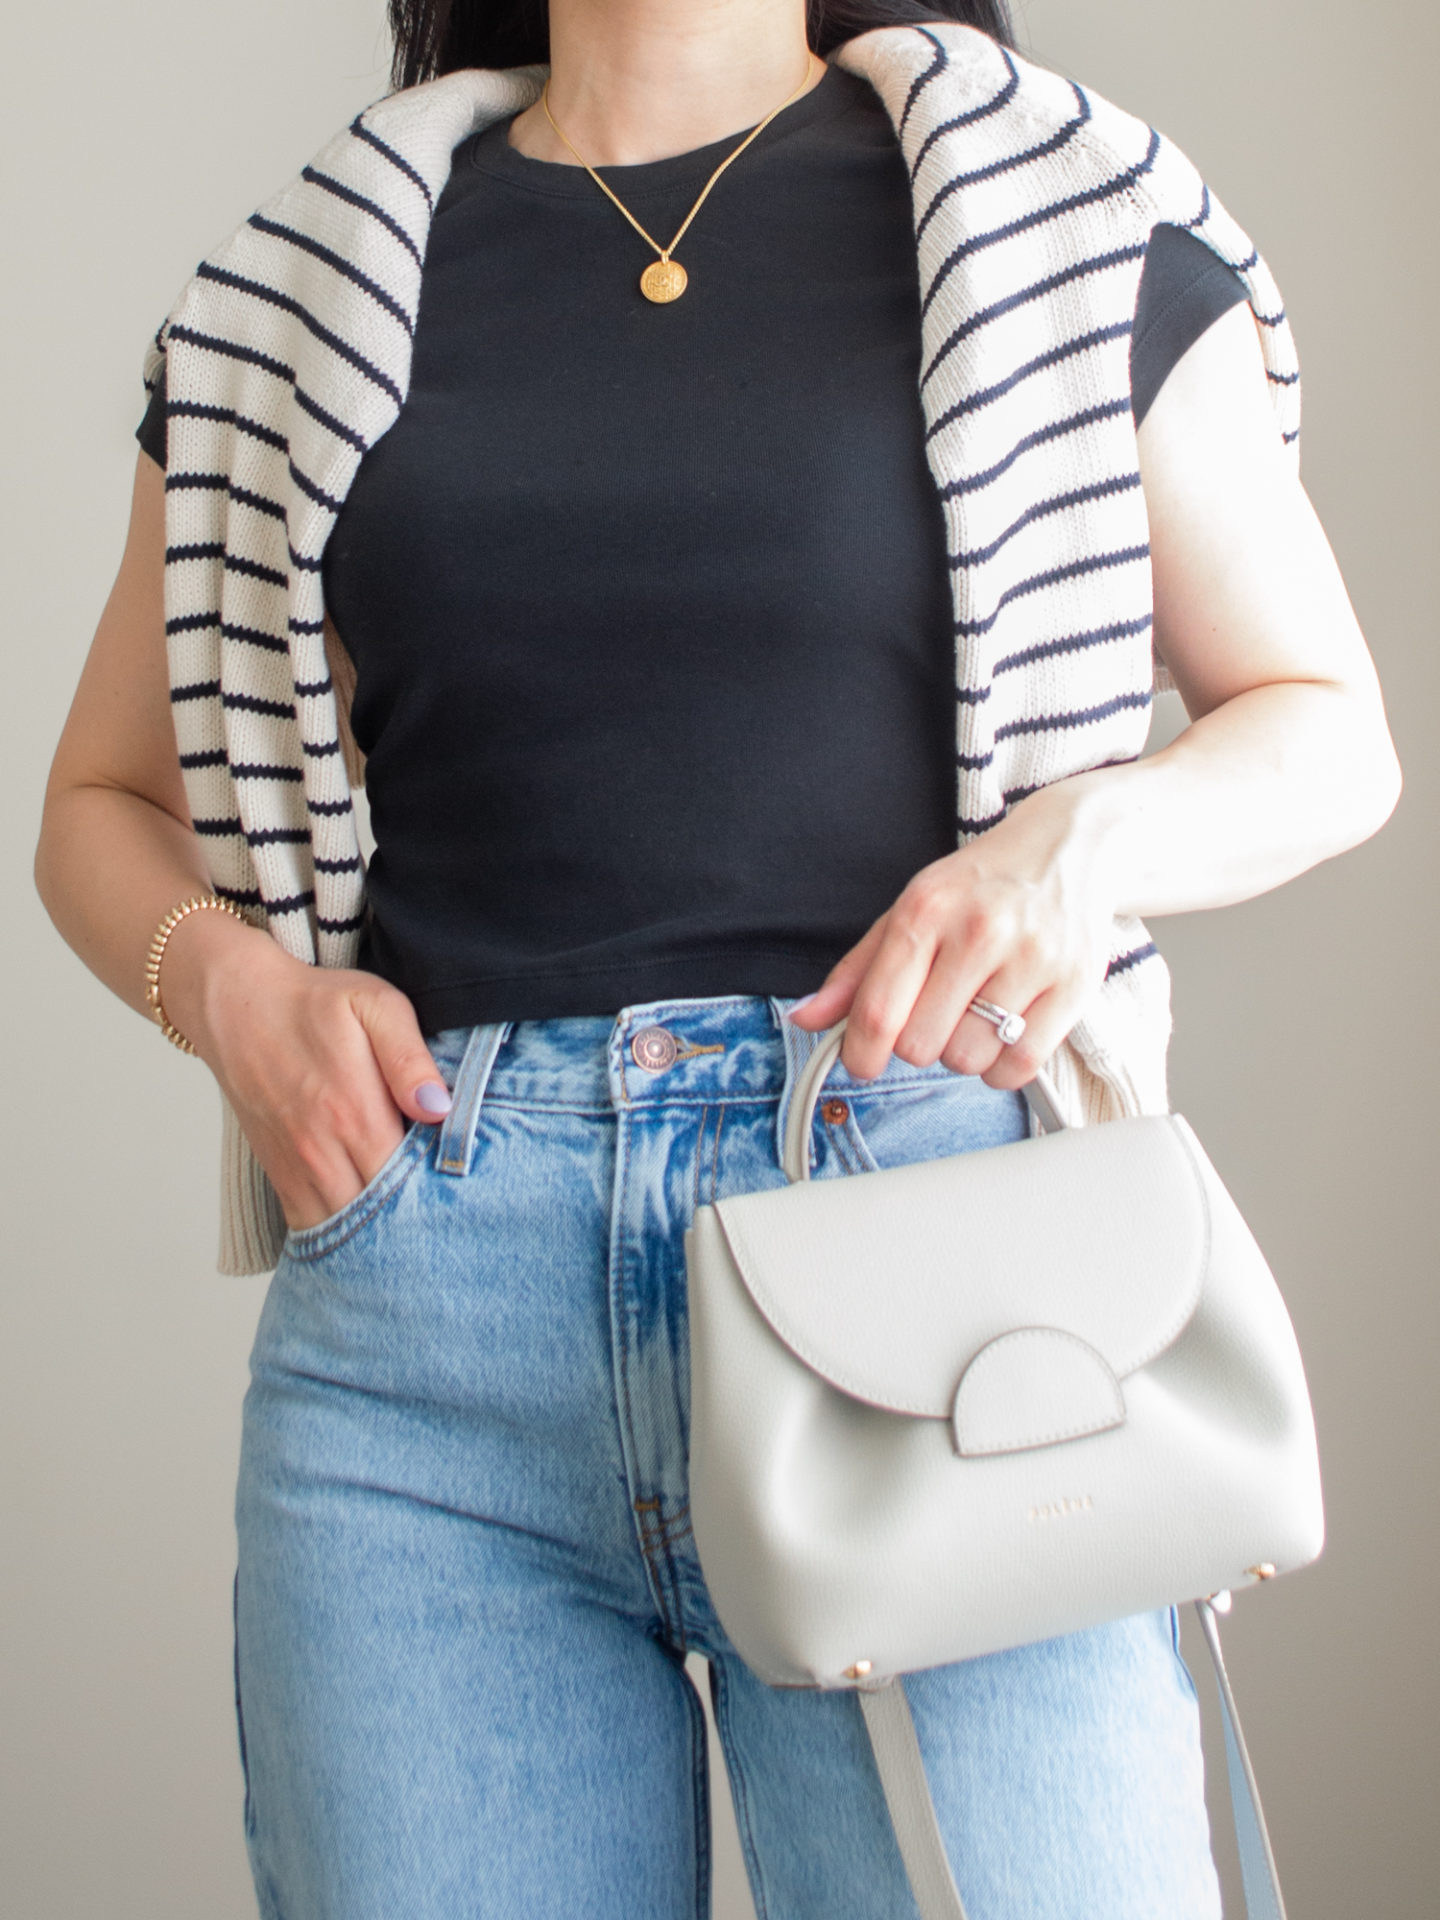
(1035, 1387)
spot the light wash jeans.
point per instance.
(467, 1582)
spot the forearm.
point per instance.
(1257, 791)
(109, 866)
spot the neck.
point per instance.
(639, 80)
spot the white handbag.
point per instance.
(958, 1406)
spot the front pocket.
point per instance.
(309, 1243)
(929, 1118)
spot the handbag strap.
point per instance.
(912, 1811)
(887, 1712)
(1043, 1099)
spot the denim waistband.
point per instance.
(661, 1052)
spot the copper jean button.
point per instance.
(654, 1049)
(837, 1112)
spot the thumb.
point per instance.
(404, 1060)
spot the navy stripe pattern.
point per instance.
(288, 356)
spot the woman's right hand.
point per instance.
(323, 1067)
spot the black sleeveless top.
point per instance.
(650, 605)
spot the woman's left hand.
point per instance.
(1021, 916)
(1253, 621)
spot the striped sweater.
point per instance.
(287, 356)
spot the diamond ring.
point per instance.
(1009, 1026)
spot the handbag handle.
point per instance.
(1040, 1095)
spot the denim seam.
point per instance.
(640, 1508)
(249, 1808)
(700, 1800)
(674, 1008)
(270, 1908)
(266, 1898)
(739, 1789)
(699, 1159)
(345, 1226)
(676, 1596)
(689, 1101)
(518, 1105)
(522, 1104)
(618, 1297)
(715, 1154)
(643, 1508)
(860, 1146)
(843, 1147)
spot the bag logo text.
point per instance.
(1059, 1509)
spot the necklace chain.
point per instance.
(665, 279)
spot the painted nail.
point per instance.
(804, 1001)
(433, 1098)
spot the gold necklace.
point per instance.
(665, 279)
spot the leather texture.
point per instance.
(953, 1407)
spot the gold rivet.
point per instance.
(858, 1671)
(1265, 1571)
(837, 1112)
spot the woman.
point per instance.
(681, 638)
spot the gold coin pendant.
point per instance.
(663, 280)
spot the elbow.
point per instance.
(1393, 786)
(42, 868)
(1378, 783)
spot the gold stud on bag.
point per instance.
(1083, 1399)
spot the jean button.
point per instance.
(654, 1049)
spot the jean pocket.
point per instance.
(924, 1117)
(309, 1243)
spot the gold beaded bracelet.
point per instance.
(198, 903)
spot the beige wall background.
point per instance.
(135, 135)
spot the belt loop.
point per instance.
(457, 1135)
(799, 1045)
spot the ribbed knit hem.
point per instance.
(252, 1227)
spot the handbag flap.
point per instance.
(889, 1284)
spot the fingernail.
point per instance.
(433, 1098)
(804, 1001)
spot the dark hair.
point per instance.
(437, 36)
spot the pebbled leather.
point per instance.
(1032, 1388)
(889, 1284)
(958, 1406)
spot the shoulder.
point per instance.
(361, 208)
(1012, 165)
(972, 112)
